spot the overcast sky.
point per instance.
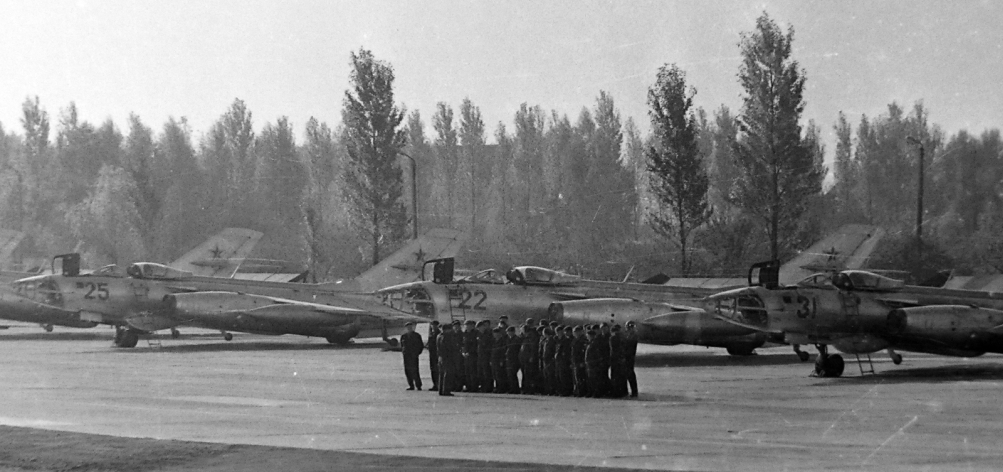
(161, 59)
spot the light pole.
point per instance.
(414, 192)
(919, 199)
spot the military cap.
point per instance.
(530, 322)
(549, 331)
(568, 329)
(435, 323)
(510, 329)
(470, 322)
(604, 325)
(539, 329)
(577, 329)
(630, 324)
(553, 324)
(496, 330)
(456, 322)
(616, 327)
(591, 332)
(409, 323)
(503, 317)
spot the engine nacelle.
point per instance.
(658, 323)
(209, 303)
(955, 326)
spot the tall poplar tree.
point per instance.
(373, 137)
(678, 176)
(778, 171)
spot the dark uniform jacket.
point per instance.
(499, 349)
(616, 353)
(630, 348)
(514, 343)
(594, 356)
(563, 355)
(411, 344)
(469, 347)
(578, 347)
(549, 349)
(530, 346)
(433, 338)
(485, 341)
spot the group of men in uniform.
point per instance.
(550, 359)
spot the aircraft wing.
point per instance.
(743, 324)
(208, 305)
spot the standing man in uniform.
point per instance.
(603, 336)
(498, 348)
(578, 347)
(512, 348)
(456, 341)
(444, 346)
(549, 358)
(485, 342)
(503, 324)
(529, 357)
(629, 354)
(617, 365)
(433, 352)
(594, 362)
(469, 350)
(411, 347)
(565, 376)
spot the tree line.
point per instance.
(701, 193)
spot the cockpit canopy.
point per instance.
(110, 270)
(530, 275)
(152, 270)
(489, 276)
(865, 281)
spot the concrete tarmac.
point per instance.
(699, 409)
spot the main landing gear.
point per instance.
(803, 356)
(227, 336)
(826, 365)
(175, 334)
(47, 327)
(896, 357)
(126, 337)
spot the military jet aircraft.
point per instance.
(148, 297)
(860, 312)
(668, 314)
(220, 255)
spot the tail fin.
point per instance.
(221, 254)
(405, 265)
(9, 239)
(847, 248)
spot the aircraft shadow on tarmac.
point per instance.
(983, 371)
(103, 335)
(711, 359)
(253, 346)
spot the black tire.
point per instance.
(228, 336)
(834, 366)
(129, 339)
(338, 339)
(393, 342)
(119, 334)
(740, 351)
(803, 356)
(47, 328)
(175, 334)
(897, 359)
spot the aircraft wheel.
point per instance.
(129, 339)
(228, 336)
(803, 356)
(119, 333)
(175, 334)
(897, 359)
(393, 342)
(338, 339)
(830, 366)
(740, 351)
(47, 328)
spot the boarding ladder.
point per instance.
(153, 341)
(860, 364)
(456, 310)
